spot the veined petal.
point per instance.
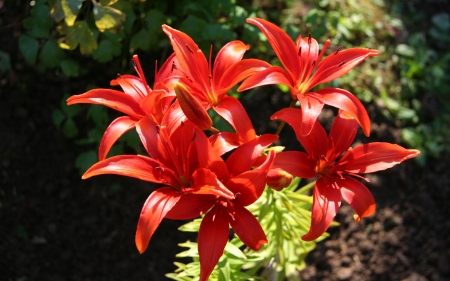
(342, 134)
(208, 157)
(135, 166)
(224, 142)
(205, 182)
(230, 54)
(114, 131)
(247, 228)
(189, 56)
(168, 69)
(338, 64)
(249, 185)
(346, 101)
(156, 104)
(111, 98)
(357, 196)
(234, 113)
(311, 105)
(212, 238)
(132, 86)
(158, 204)
(270, 76)
(243, 158)
(296, 163)
(316, 143)
(282, 45)
(326, 202)
(173, 118)
(191, 206)
(309, 54)
(373, 157)
(148, 131)
(238, 72)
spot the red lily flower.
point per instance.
(210, 86)
(137, 100)
(196, 179)
(322, 160)
(304, 70)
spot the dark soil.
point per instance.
(55, 226)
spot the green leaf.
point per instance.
(442, 21)
(69, 128)
(51, 54)
(58, 117)
(107, 17)
(85, 160)
(70, 68)
(154, 19)
(106, 51)
(79, 34)
(141, 40)
(67, 10)
(29, 48)
(5, 62)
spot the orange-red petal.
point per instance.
(247, 228)
(115, 130)
(155, 208)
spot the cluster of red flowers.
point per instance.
(171, 119)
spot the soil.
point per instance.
(55, 226)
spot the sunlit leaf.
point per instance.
(29, 48)
(80, 34)
(67, 10)
(107, 17)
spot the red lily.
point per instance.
(304, 70)
(196, 179)
(210, 86)
(137, 100)
(322, 160)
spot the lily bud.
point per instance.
(192, 108)
(278, 179)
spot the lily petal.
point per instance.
(155, 208)
(212, 238)
(346, 101)
(311, 105)
(338, 64)
(114, 131)
(373, 157)
(111, 98)
(282, 44)
(132, 86)
(316, 143)
(326, 202)
(208, 157)
(135, 166)
(270, 76)
(234, 113)
(191, 206)
(205, 182)
(247, 228)
(243, 158)
(230, 54)
(296, 163)
(224, 142)
(342, 134)
(357, 196)
(249, 186)
(190, 57)
(238, 72)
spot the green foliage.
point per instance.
(285, 217)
